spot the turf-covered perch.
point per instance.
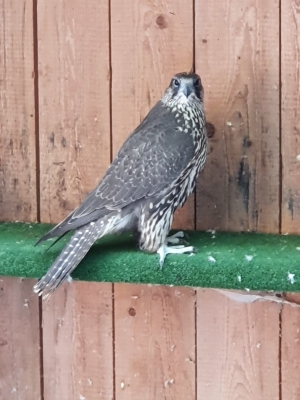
(224, 260)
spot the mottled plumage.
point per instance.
(153, 174)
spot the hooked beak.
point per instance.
(187, 90)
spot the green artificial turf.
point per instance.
(221, 260)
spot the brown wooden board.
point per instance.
(292, 297)
(78, 343)
(74, 106)
(290, 108)
(17, 113)
(237, 56)
(19, 340)
(154, 342)
(151, 41)
(290, 352)
(237, 347)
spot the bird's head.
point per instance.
(184, 88)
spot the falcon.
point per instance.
(153, 174)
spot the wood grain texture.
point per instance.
(151, 41)
(237, 347)
(78, 343)
(74, 86)
(292, 297)
(290, 352)
(19, 340)
(154, 342)
(17, 113)
(290, 106)
(237, 56)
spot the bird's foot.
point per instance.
(178, 237)
(164, 250)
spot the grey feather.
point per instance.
(158, 164)
(145, 156)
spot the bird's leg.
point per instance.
(176, 238)
(164, 250)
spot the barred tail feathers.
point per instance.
(75, 250)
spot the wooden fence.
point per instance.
(75, 79)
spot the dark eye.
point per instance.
(176, 82)
(197, 83)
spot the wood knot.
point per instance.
(161, 22)
(210, 130)
(132, 312)
(247, 142)
(63, 142)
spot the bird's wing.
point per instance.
(153, 156)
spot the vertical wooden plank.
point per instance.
(237, 55)
(78, 344)
(151, 41)
(74, 119)
(290, 58)
(17, 112)
(237, 347)
(19, 340)
(154, 342)
(74, 89)
(290, 355)
(292, 297)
